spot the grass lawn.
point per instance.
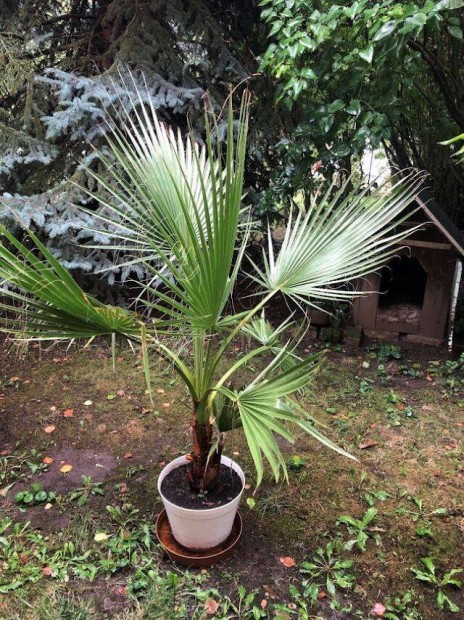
(81, 448)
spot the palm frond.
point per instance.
(339, 241)
(262, 331)
(181, 201)
(262, 412)
(50, 304)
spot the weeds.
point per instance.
(66, 574)
(296, 463)
(400, 607)
(365, 385)
(55, 605)
(185, 596)
(421, 516)
(28, 556)
(385, 352)
(398, 409)
(20, 466)
(273, 502)
(429, 575)
(88, 489)
(357, 528)
(370, 495)
(450, 373)
(34, 495)
(124, 515)
(326, 570)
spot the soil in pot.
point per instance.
(176, 489)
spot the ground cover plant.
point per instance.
(100, 560)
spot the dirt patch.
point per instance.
(97, 465)
(6, 439)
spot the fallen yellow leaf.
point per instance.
(65, 469)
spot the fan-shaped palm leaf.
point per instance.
(338, 241)
(263, 413)
(180, 202)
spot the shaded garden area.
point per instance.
(207, 218)
(82, 448)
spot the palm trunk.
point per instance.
(204, 473)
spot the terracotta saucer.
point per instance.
(189, 557)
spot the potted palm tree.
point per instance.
(176, 208)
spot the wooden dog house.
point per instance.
(414, 296)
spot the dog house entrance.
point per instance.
(402, 289)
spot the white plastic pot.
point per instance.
(206, 528)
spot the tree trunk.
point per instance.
(204, 472)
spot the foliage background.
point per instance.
(386, 74)
(61, 64)
(327, 79)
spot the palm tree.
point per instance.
(177, 208)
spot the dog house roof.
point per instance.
(446, 226)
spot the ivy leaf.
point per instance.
(449, 4)
(308, 74)
(335, 106)
(385, 31)
(367, 54)
(276, 27)
(455, 32)
(341, 150)
(354, 107)
(418, 19)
